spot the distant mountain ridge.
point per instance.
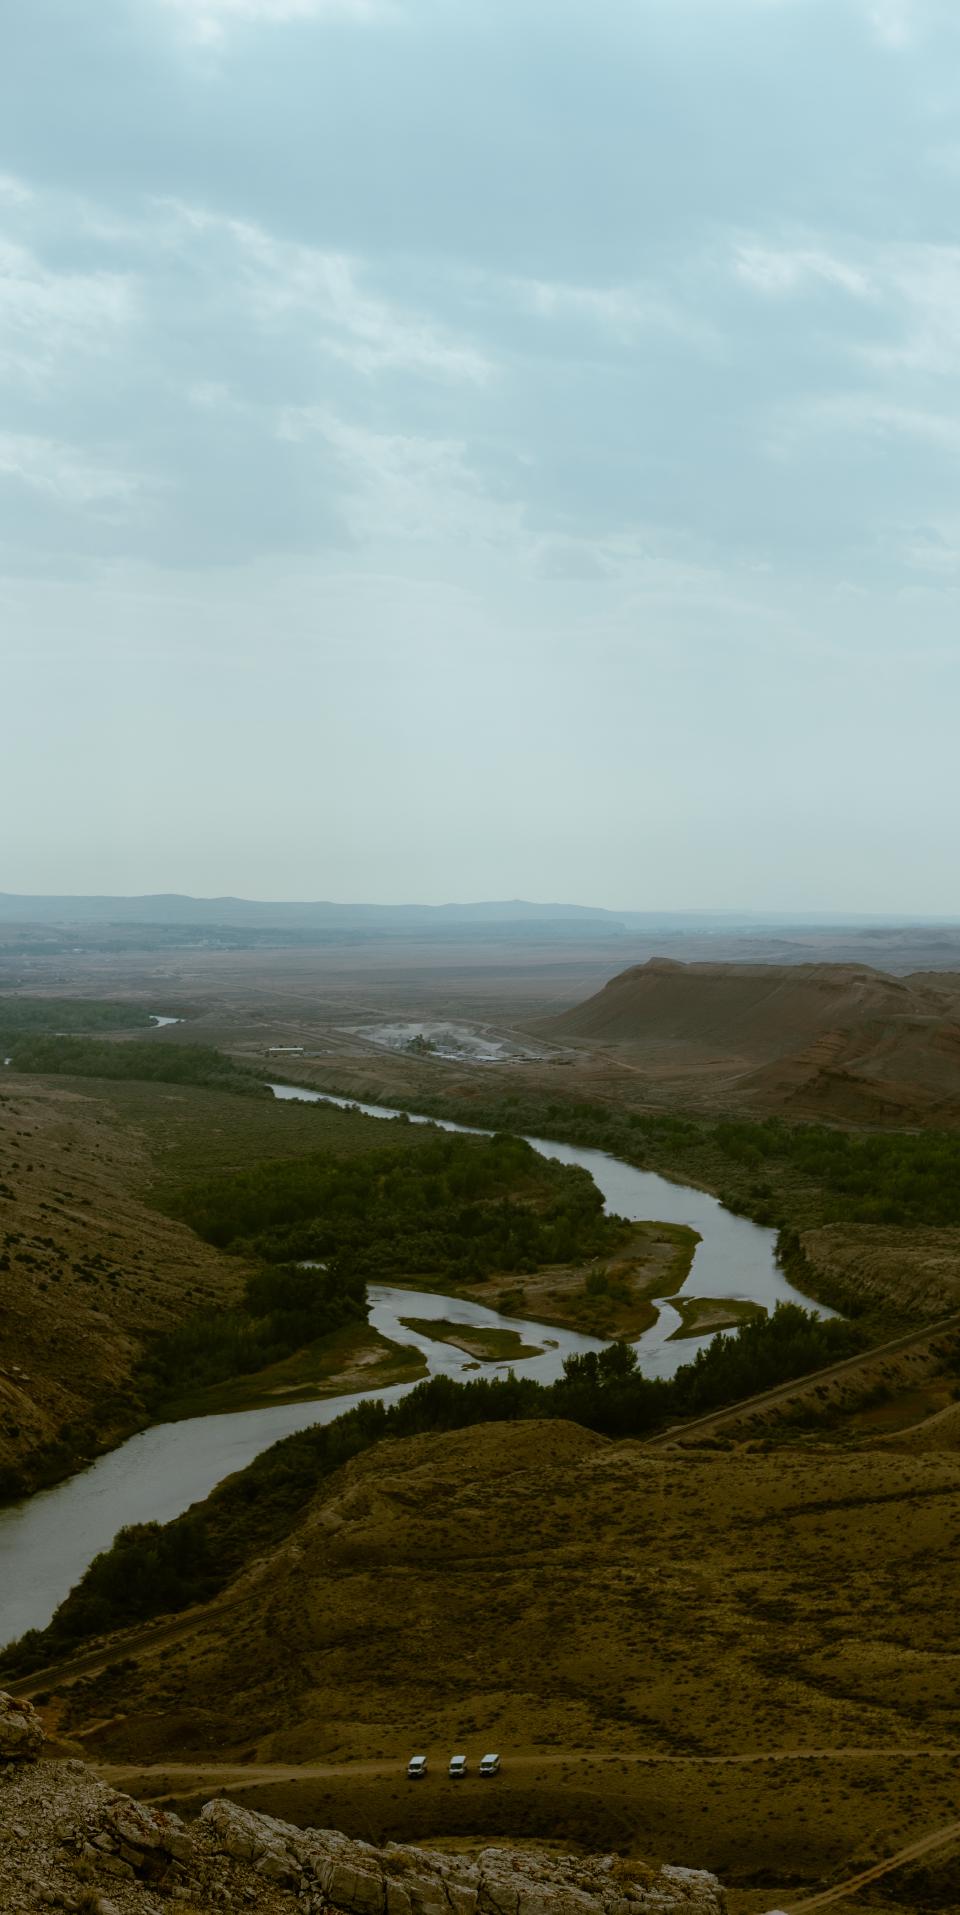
(178, 908)
(175, 907)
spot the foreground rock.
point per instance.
(69, 1842)
(361, 1880)
(21, 1733)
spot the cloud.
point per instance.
(64, 474)
(913, 291)
(781, 270)
(13, 192)
(923, 285)
(933, 548)
(208, 21)
(894, 22)
(324, 294)
(46, 314)
(860, 416)
(623, 312)
(407, 487)
(905, 23)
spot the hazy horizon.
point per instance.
(545, 910)
(484, 453)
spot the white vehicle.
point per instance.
(490, 1765)
(416, 1767)
(458, 1765)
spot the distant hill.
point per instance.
(826, 1040)
(175, 908)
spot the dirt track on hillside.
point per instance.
(752, 1407)
(927, 1845)
(235, 1774)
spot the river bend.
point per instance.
(48, 1541)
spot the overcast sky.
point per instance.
(457, 450)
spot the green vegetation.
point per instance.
(282, 1309)
(893, 1177)
(786, 1176)
(685, 1240)
(355, 1357)
(192, 1133)
(617, 1299)
(700, 1315)
(22, 1017)
(460, 1208)
(482, 1340)
(152, 1569)
(154, 1063)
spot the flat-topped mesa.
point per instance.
(839, 1042)
(760, 1010)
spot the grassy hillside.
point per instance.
(92, 1273)
(540, 1589)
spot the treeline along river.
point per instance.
(47, 1542)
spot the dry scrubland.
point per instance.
(542, 1590)
(839, 1042)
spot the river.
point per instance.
(48, 1541)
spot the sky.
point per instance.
(460, 451)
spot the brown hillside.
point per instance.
(87, 1272)
(626, 1626)
(832, 1040)
(90, 1269)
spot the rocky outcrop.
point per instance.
(69, 1842)
(361, 1880)
(21, 1732)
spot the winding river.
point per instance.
(47, 1542)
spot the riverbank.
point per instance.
(613, 1297)
(170, 1465)
(345, 1363)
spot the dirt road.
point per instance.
(927, 1845)
(237, 1773)
(801, 1385)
